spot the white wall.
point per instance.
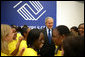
(70, 13)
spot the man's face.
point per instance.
(49, 23)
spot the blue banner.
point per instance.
(30, 13)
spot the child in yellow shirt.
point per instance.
(34, 42)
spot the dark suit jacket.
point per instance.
(47, 49)
(45, 36)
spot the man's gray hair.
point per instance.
(47, 18)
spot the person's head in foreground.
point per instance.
(35, 39)
(6, 38)
(73, 46)
(59, 33)
(81, 29)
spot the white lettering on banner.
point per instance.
(38, 27)
(26, 14)
(32, 27)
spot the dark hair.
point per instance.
(24, 30)
(32, 36)
(62, 29)
(14, 26)
(25, 26)
(19, 29)
(73, 46)
(80, 24)
(75, 28)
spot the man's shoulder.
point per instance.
(44, 29)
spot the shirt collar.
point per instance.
(48, 29)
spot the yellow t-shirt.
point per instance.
(12, 46)
(23, 44)
(29, 52)
(59, 53)
(3, 54)
(18, 35)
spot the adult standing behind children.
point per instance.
(48, 44)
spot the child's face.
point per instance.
(81, 29)
(10, 36)
(57, 38)
(15, 33)
(40, 41)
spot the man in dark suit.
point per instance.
(48, 47)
